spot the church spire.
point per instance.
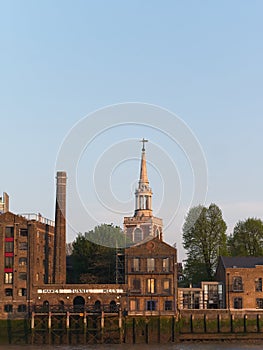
(143, 194)
(143, 224)
(143, 173)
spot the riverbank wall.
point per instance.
(187, 325)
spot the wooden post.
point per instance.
(231, 323)
(159, 329)
(85, 326)
(120, 326)
(245, 323)
(133, 331)
(173, 325)
(191, 323)
(33, 320)
(218, 323)
(205, 330)
(32, 327)
(67, 328)
(120, 319)
(102, 326)
(258, 323)
(49, 327)
(49, 320)
(146, 332)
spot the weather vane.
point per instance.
(143, 143)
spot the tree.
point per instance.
(204, 238)
(247, 238)
(93, 256)
(109, 236)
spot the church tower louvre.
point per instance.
(143, 223)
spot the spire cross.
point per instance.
(143, 143)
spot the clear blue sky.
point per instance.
(61, 60)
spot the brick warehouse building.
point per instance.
(26, 255)
(33, 262)
(151, 274)
(242, 278)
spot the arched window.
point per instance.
(61, 305)
(79, 303)
(97, 305)
(45, 306)
(113, 306)
(137, 235)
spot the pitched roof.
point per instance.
(241, 261)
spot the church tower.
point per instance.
(143, 223)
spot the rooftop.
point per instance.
(38, 217)
(241, 261)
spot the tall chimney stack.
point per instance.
(59, 272)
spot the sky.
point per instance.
(112, 72)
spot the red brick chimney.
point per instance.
(59, 269)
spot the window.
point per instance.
(22, 261)
(135, 264)
(8, 277)
(237, 284)
(151, 285)
(22, 276)
(23, 232)
(168, 305)
(9, 262)
(238, 302)
(150, 264)
(259, 302)
(166, 285)
(191, 300)
(166, 265)
(21, 308)
(137, 235)
(23, 245)
(9, 247)
(9, 232)
(8, 292)
(151, 305)
(258, 283)
(133, 305)
(37, 277)
(8, 308)
(21, 292)
(136, 284)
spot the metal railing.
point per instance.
(39, 218)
